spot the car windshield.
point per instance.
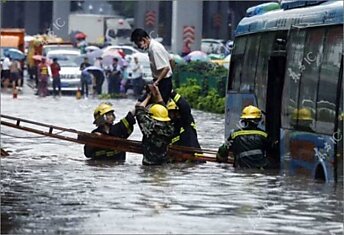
(52, 48)
(66, 60)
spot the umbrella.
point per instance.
(109, 55)
(116, 51)
(15, 54)
(80, 35)
(91, 48)
(177, 59)
(197, 56)
(37, 57)
(89, 68)
(93, 55)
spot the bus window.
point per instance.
(309, 69)
(250, 61)
(329, 76)
(236, 63)
(338, 135)
(265, 49)
(292, 77)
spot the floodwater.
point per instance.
(48, 186)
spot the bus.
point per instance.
(288, 61)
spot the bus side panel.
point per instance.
(308, 154)
(234, 104)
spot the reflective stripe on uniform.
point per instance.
(181, 130)
(193, 125)
(250, 153)
(248, 132)
(175, 139)
(198, 154)
(106, 153)
(176, 98)
(125, 122)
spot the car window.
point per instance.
(66, 60)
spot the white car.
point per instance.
(51, 47)
(70, 73)
(128, 50)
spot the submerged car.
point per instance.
(70, 69)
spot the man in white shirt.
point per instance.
(5, 72)
(159, 61)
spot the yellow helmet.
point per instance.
(303, 114)
(171, 105)
(159, 112)
(102, 109)
(251, 112)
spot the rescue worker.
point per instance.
(185, 133)
(104, 117)
(156, 128)
(248, 143)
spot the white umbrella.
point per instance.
(91, 48)
(93, 68)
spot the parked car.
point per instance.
(70, 73)
(128, 50)
(50, 47)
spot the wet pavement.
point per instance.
(48, 186)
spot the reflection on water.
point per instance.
(48, 186)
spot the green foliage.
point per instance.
(207, 75)
(210, 101)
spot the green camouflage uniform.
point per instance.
(157, 135)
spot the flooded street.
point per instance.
(48, 186)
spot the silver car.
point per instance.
(70, 69)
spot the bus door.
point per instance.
(338, 135)
(276, 69)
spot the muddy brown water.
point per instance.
(48, 186)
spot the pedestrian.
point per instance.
(55, 71)
(14, 73)
(99, 76)
(104, 117)
(156, 128)
(114, 79)
(85, 78)
(43, 76)
(5, 72)
(159, 60)
(137, 77)
(186, 49)
(185, 133)
(248, 143)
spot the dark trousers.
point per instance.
(165, 88)
(56, 84)
(84, 87)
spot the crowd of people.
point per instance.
(165, 118)
(163, 115)
(11, 73)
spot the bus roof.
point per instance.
(327, 13)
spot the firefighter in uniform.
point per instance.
(104, 117)
(156, 128)
(185, 133)
(248, 143)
